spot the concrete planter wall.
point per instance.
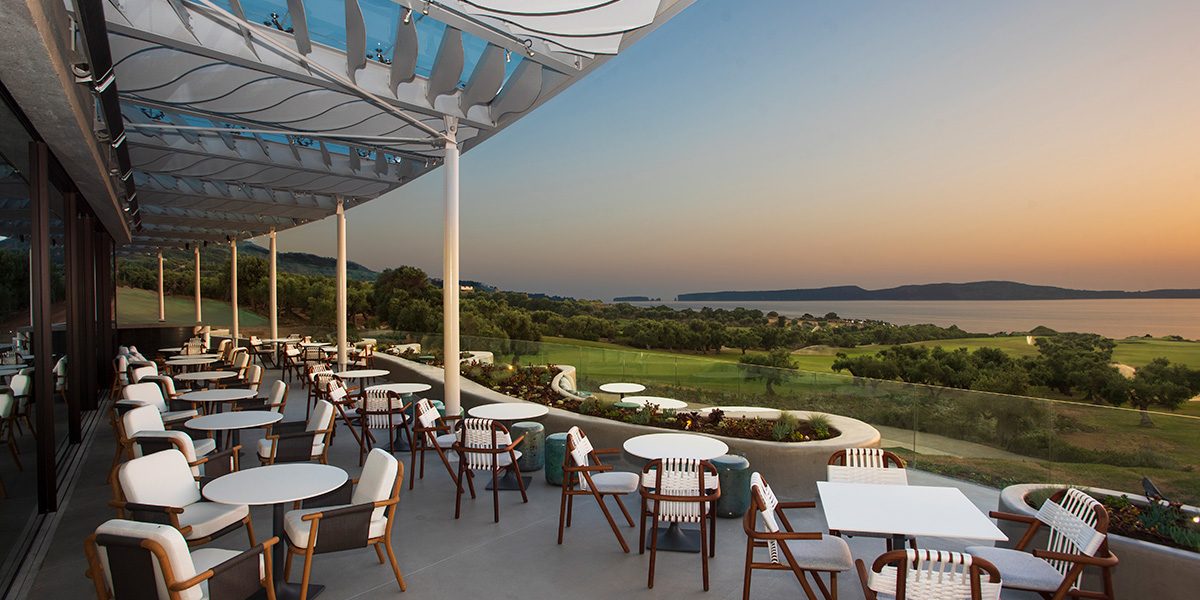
(792, 468)
(1146, 570)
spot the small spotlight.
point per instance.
(425, 10)
(407, 16)
(82, 72)
(529, 47)
(508, 56)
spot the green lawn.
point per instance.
(140, 307)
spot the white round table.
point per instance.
(171, 349)
(362, 373)
(509, 411)
(315, 344)
(623, 388)
(191, 361)
(234, 422)
(675, 445)
(401, 388)
(218, 397)
(660, 402)
(279, 486)
(201, 377)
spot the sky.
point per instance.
(782, 144)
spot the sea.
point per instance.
(1112, 318)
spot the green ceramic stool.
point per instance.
(533, 453)
(628, 405)
(734, 472)
(556, 450)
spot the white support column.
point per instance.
(233, 331)
(199, 315)
(271, 297)
(341, 285)
(162, 306)
(450, 288)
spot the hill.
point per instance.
(977, 290)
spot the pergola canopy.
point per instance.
(246, 116)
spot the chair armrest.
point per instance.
(288, 436)
(1005, 516)
(228, 457)
(285, 427)
(153, 513)
(606, 450)
(591, 468)
(1083, 559)
(786, 535)
(233, 574)
(798, 504)
(513, 446)
(344, 528)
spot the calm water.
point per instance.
(1113, 318)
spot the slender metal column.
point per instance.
(233, 331)
(273, 310)
(105, 309)
(450, 349)
(94, 287)
(199, 315)
(341, 284)
(39, 287)
(77, 365)
(162, 305)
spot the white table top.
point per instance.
(401, 388)
(206, 375)
(904, 510)
(509, 411)
(171, 349)
(315, 344)
(275, 484)
(192, 361)
(362, 373)
(222, 395)
(623, 388)
(244, 419)
(11, 369)
(675, 445)
(663, 403)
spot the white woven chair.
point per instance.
(1078, 539)
(806, 554)
(431, 431)
(679, 490)
(383, 410)
(127, 557)
(150, 393)
(161, 488)
(584, 473)
(485, 445)
(929, 575)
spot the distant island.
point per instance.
(636, 299)
(977, 290)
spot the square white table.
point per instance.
(903, 510)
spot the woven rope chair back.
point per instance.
(335, 389)
(478, 433)
(581, 447)
(427, 413)
(865, 465)
(1072, 526)
(933, 575)
(679, 477)
(378, 407)
(759, 488)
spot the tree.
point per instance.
(742, 338)
(520, 330)
(774, 367)
(1163, 384)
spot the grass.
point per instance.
(140, 307)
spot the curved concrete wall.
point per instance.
(792, 468)
(1146, 570)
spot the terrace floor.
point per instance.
(474, 557)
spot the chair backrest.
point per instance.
(335, 388)
(254, 375)
(378, 480)
(934, 575)
(278, 396)
(764, 502)
(165, 384)
(140, 372)
(146, 392)
(224, 347)
(163, 478)
(678, 477)
(427, 413)
(129, 565)
(60, 374)
(142, 418)
(579, 448)
(483, 434)
(7, 403)
(1078, 525)
(380, 406)
(19, 384)
(149, 442)
(120, 367)
(866, 465)
(321, 417)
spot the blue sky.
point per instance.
(777, 144)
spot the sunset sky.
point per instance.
(783, 143)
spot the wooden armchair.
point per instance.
(584, 474)
(485, 445)
(434, 432)
(929, 574)
(679, 490)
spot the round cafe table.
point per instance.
(404, 389)
(190, 361)
(675, 445)
(362, 373)
(315, 344)
(278, 486)
(234, 422)
(509, 413)
(203, 377)
(623, 388)
(660, 402)
(218, 397)
(171, 350)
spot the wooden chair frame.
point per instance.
(425, 439)
(763, 539)
(574, 475)
(900, 559)
(395, 407)
(650, 508)
(496, 469)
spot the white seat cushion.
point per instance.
(829, 553)
(446, 440)
(173, 416)
(204, 446)
(297, 528)
(612, 482)
(264, 448)
(207, 518)
(207, 558)
(1020, 570)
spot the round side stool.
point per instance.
(533, 453)
(734, 472)
(556, 450)
(634, 406)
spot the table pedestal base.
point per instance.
(676, 539)
(290, 591)
(509, 482)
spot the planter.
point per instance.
(793, 468)
(1146, 570)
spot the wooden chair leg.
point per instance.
(306, 573)
(459, 490)
(520, 480)
(628, 519)
(704, 548)
(395, 567)
(495, 493)
(249, 530)
(821, 584)
(653, 549)
(611, 523)
(642, 527)
(746, 571)
(287, 564)
(378, 551)
(562, 514)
